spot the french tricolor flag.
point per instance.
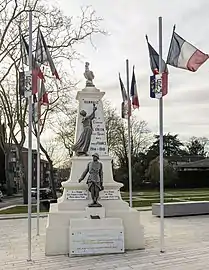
(184, 55)
(134, 95)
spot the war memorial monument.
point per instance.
(91, 217)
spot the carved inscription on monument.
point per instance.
(109, 195)
(77, 194)
(98, 138)
(103, 241)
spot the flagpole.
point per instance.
(38, 163)
(30, 138)
(38, 149)
(129, 137)
(161, 146)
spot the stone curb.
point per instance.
(21, 216)
(7, 207)
(145, 208)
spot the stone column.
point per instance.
(86, 98)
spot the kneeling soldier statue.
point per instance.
(95, 179)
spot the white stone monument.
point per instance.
(70, 228)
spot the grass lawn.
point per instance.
(147, 198)
(174, 192)
(149, 203)
(22, 209)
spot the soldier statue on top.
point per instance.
(89, 75)
(95, 179)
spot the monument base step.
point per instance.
(95, 211)
(59, 222)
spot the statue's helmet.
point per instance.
(83, 113)
(95, 155)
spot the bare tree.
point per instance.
(62, 35)
(117, 135)
(116, 131)
(56, 152)
(197, 146)
(65, 129)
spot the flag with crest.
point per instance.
(155, 79)
(43, 55)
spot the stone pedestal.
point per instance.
(71, 211)
(96, 234)
(101, 236)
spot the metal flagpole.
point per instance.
(129, 137)
(30, 138)
(38, 162)
(161, 145)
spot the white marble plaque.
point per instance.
(77, 194)
(98, 138)
(109, 195)
(101, 241)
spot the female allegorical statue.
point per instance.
(82, 145)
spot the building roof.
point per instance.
(44, 160)
(203, 163)
(184, 159)
(24, 149)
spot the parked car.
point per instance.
(1, 196)
(45, 193)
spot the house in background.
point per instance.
(2, 168)
(193, 174)
(15, 180)
(177, 160)
(2, 156)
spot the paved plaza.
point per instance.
(186, 239)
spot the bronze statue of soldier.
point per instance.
(95, 179)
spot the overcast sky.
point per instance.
(186, 107)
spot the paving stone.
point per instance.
(186, 244)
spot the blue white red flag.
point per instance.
(184, 55)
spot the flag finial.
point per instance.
(174, 27)
(146, 36)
